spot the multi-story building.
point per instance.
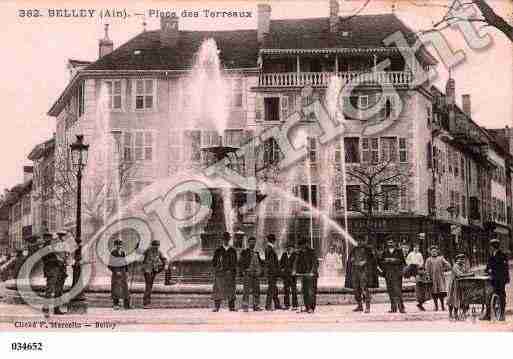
(131, 105)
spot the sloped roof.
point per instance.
(239, 49)
(500, 137)
(42, 149)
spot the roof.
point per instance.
(239, 49)
(501, 137)
(42, 149)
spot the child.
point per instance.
(455, 299)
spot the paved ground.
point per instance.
(326, 318)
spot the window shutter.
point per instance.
(259, 111)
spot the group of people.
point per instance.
(364, 266)
(292, 265)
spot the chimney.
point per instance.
(334, 19)
(28, 172)
(465, 103)
(264, 22)
(169, 31)
(105, 45)
(450, 91)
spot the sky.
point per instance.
(36, 51)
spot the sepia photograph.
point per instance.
(284, 166)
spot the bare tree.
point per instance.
(377, 187)
(454, 9)
(101, 192)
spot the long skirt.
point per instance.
(119, 285)
(224, 286)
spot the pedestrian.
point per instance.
(392, 264)
(362, 273)
(154, 262)
(53, 267)
(119, 278)
(498, 270)
(306, 266)
(272, 269)
(436, 266)
(250, 266)
(224, 265)
(289, 281)
(415, 268)
(455, 297)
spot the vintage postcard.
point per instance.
(273, 165)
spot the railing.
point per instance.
(321, 79)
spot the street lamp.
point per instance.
(79, 160)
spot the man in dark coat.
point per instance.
(53, 267)
(251, 268)
(224, 265)
(306, 267)
(119, 279)
(392, 264)
(498, 270)
(154, 262)
(362, 273)
(289, 281)
(272, 269)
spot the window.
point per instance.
(145, 94)
(80, 99)
(404, 198)
(26, 204)
(389, 105)
(363, 104)
(272, 108)
(390, 197)
(353, 197)
(308, 194)
(431, 201)
(114, 94)
(272, 152)
(463, 206)
(429, 154)
(388, 149)
(374, 150)
(428, 112)
(138, 146)
(352, 149)
(365, 150)
(462, 167)
(449, 159)
(403, 151)
(338, 203)
(237, 93)
(338, 156)
(312, 150)
(456, 164)
(175, 146)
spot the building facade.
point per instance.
(132, 104)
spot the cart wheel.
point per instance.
(495, 307)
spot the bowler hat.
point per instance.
(434, 246)
(226, 235)
(459, 256)
(155, 242)
(251, 239)
(390, 242)
(118, 242)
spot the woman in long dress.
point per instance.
(436, 266)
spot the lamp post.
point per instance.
(79, 159)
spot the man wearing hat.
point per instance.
(119, 279)
(53, 267)
(272, 268)
(306, 266)
(392, 263)
(251, 267)
(289, 281)
(498, 270)
(224, 265)
(154, 262)
(362, 273)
